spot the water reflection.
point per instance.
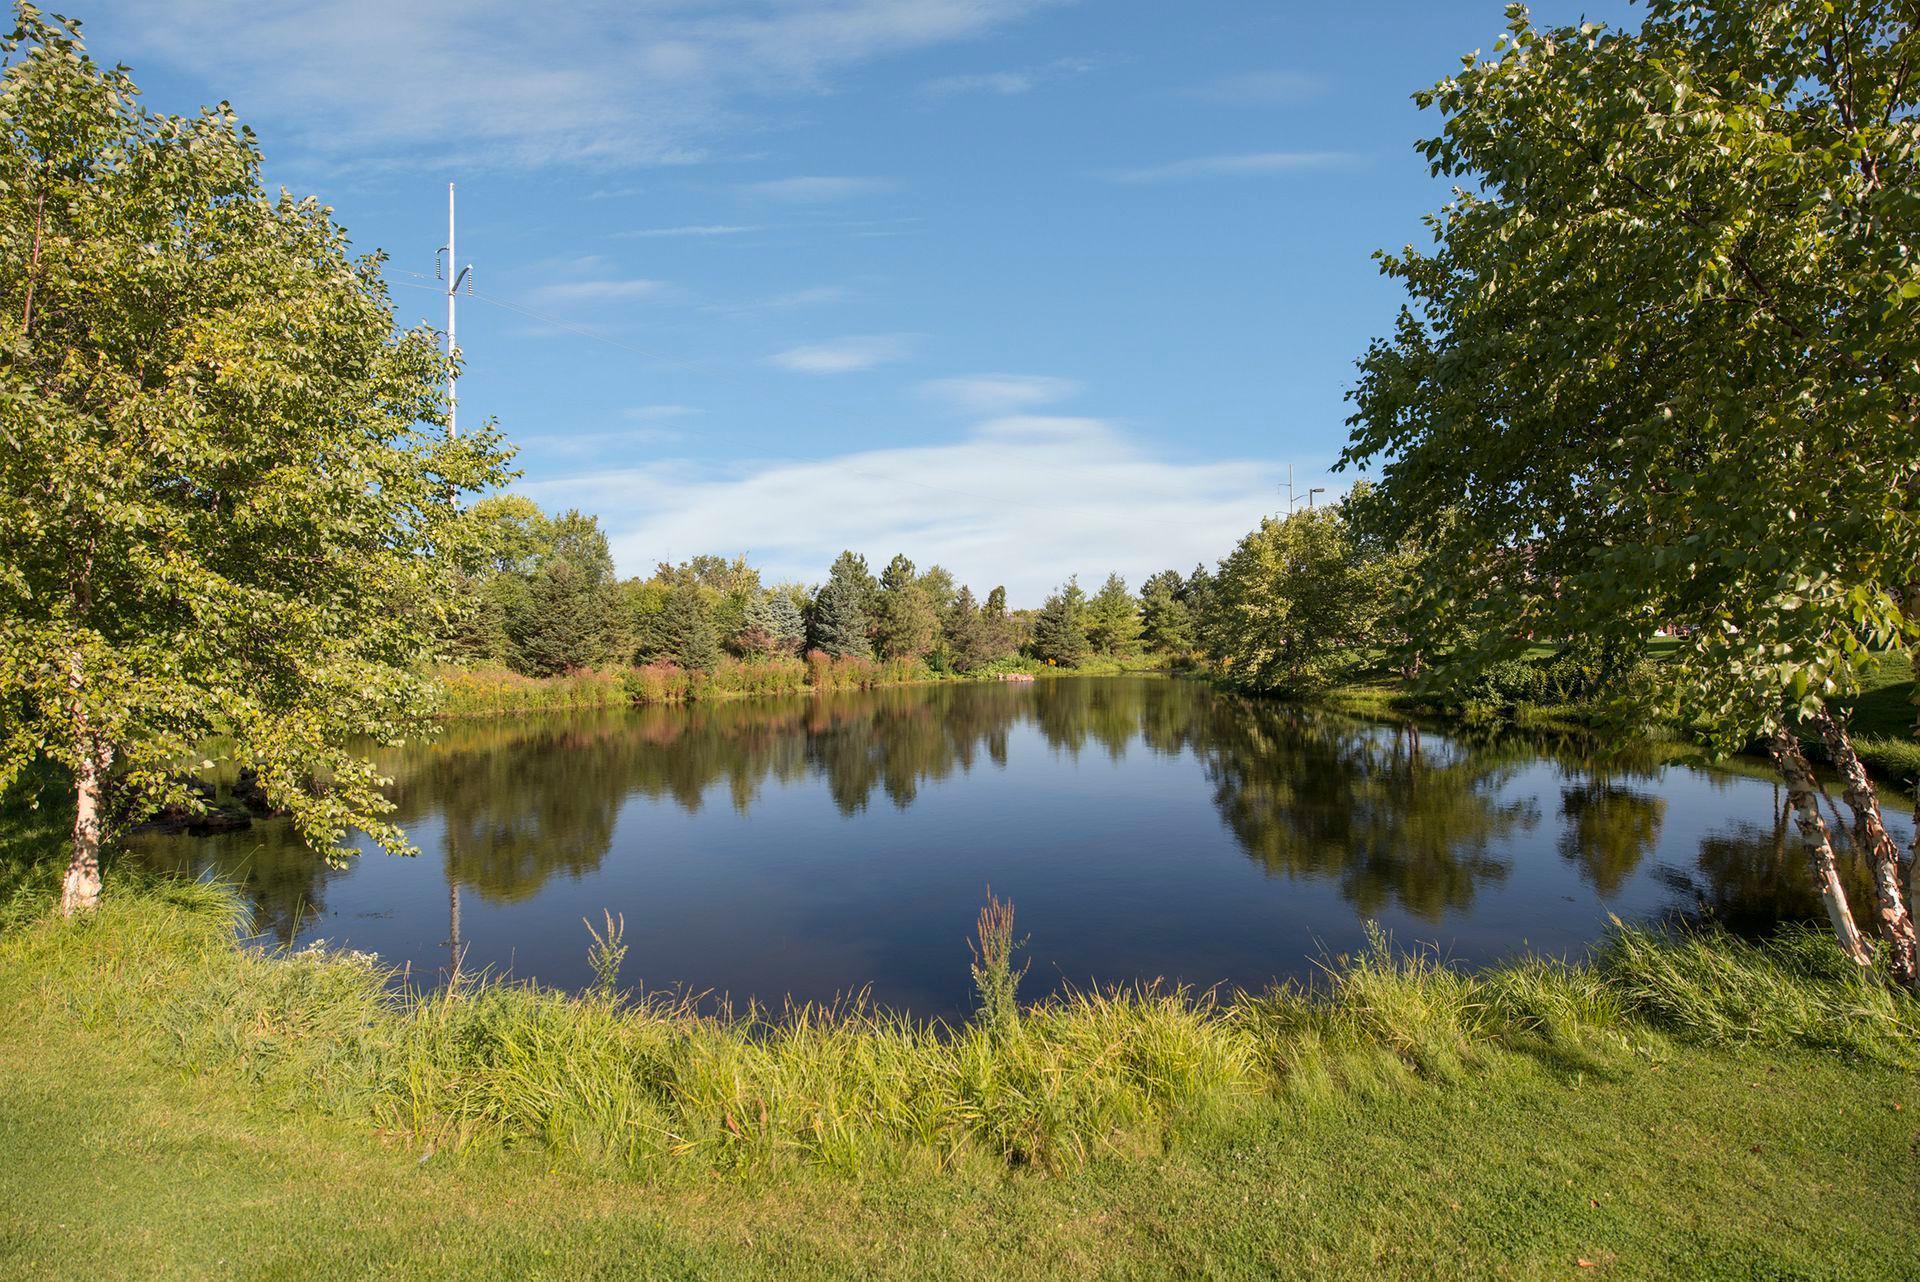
(1391, 816)
(1163, 828)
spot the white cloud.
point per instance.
(703, 229)
(1023, 501)
(596, 291)
(1005, 83)
(1247, 165)
(1255, 88)
(816, 189)
(842, 355)
(493, 81)
(999, 393)
(654, 413)
(598, 443)
(818, 296)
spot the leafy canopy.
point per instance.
(222, 483)
(1660, 365)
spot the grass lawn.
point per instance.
(1647, 1155)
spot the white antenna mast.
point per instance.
(453, 276)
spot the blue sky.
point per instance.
(1026, 287)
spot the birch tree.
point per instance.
(1659, 365)
(221, 480)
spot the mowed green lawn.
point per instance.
(1685, 1163)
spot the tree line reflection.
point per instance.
(1391, 816)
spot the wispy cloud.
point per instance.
(480, 81)
(1005, 83)
(596, 291)
(816, 189)
(701, 229)
(1247, 165)
(598, 443)
(1256, 88)
(843, 355)
(655, 413)
(983, 394)
(818, 296)
(1019, 500)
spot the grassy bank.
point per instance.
(1693, 1107)
(497, 691)
(1882, 718)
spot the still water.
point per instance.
(1145, 828)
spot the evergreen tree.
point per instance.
(1113, 618)
(755, 635)
(786, 623)
(565, 620)
(1166, 624)
(1000, 633)
(682, 631)
(1197, 595)
(1059, 630)
(840, 617)
(568, 615)
(905, 625)
(967, 640)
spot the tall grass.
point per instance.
(601, 1079)
(488, 691)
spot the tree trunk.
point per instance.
(81, 891)
(1798, 775)
(1883, 853)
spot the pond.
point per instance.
(1145, 828)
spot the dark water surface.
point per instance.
(1145, 828)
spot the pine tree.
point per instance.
(1165, 622)
(1113, 618)
(1059, 631)
(788, 625)
(1000, 639)
(564, 621)
(840, 617)
(966, 634)
(568, 616)
(755, 635)
(683, 630)
(904, 625)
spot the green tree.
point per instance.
(786, 622)
(1165, 622)
(905, 625)
(1660, 367)
(221, 489)
(1113, 618)
(1060, 630)
(569, 616)
(755, 635)
(1293, 604)
(969, 638)
(840, 610)
(683, 631)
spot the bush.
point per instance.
(1582, 671)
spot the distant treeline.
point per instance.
(1301, 603)
(544, 599)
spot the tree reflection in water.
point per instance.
(1392, 816)
(1389, 816)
